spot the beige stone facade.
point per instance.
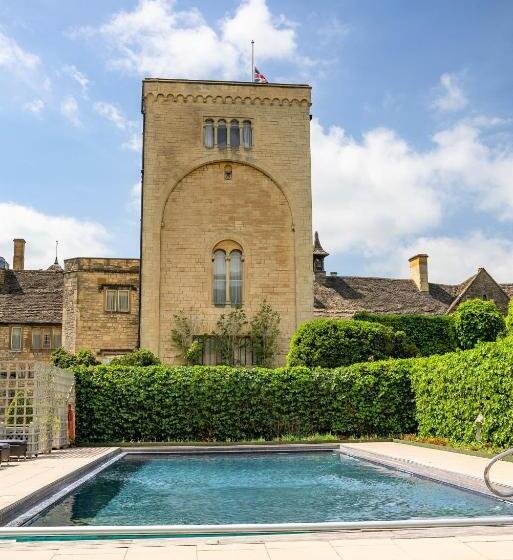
(195, 197)
(28, 351)
(88, 321)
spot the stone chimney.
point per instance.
(18, 261)
(419, 272)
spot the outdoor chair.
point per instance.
(5, 452)
(17, 447)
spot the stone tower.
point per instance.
(226, 206)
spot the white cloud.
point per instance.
(449, 94)
(368, 194)
(35, 106)
(375, 195)
(19, 65)
(274, 37)
(453, 259)
(134, 203)
(76, 237)
(79, 77)
(13, 58)
(111, 113)
(156, 39)
(120, 121)
(69, 109)
(134, 142)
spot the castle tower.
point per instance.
(226, 206)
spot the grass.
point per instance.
(477, 449)
(285, 439)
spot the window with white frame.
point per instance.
(16, 338)
(227, 274)
(117, 300)
(225, 133)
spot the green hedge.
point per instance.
(333, 343)
(477, 320)
(189, 403)
(431, 334)
(451, 390)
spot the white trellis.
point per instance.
(37, 403)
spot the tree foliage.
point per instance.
(228, 333)
(141, 357)
(62, 358)
(476, 321)
(265, 330)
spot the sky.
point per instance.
(411, 135)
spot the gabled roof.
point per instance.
(467, 285)
(32, 296)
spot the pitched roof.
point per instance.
(465, 287)
(32, 296)
(342, 296)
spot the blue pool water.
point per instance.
(260, 488)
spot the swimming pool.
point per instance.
(264, 488)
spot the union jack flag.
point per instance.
(259, 77)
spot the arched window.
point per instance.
(247, 134)
(219, 277)
(236, 277)
(208, 133)
(234, 134)
(227, 270)
(221, 133)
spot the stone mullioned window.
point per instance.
(227, 133)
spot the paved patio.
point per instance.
(388, 546)
(20, 479)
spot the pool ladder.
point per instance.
(488, 482)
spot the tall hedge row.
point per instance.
(451, 390)
(333, 343)
(160, 403)
(431, 334)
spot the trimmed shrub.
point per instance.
(451, 390)
(431, 334)
(193, 403)
(476, 321)
(337, 342)
(139, 357)
(62, 358)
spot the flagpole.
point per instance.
(252, 61)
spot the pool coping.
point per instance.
(15, 509)
(64, 485)
(435, 474)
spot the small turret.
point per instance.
(55, 267)
(319, 254)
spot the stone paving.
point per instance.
(394, 545)
(20, 479)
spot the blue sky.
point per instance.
(412, 136)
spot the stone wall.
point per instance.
(485, 287)
(86, 323)
(26, 353)
(188, 206)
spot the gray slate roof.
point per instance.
(343, 296)
(32, 296)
